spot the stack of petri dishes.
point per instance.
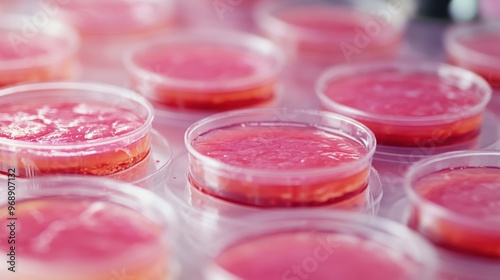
(258, 161)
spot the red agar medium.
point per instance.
(315, 256)
(471, 193)
(283, 148)
(396, 104)
(75, 238)
(207, 76)
(65, 123)
(278, 147)
(74, 124)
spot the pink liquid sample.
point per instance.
(33, 60)
(216, 69)
(485, 45)
(315, 256)
(337, 33)
(75, 238)
(398, 96)
(470, 193)
(73, 123)
(281, 147)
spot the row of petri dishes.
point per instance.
(261, 194)
(313, 35)
(252, 180)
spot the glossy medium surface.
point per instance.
(73, 128)
(408, 104)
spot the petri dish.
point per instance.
(73, 128)
(87, 228)
(454, 202)
(195, 72)
(279, 157)
(407, 104)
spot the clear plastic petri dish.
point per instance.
(407, 104)
(473, 47)
(320, 245)
(453, 265)
(455, 201)
(335, 31)
(279, 157)
(34, 49)
(73, 128)
(87, 228)
(195, 72)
